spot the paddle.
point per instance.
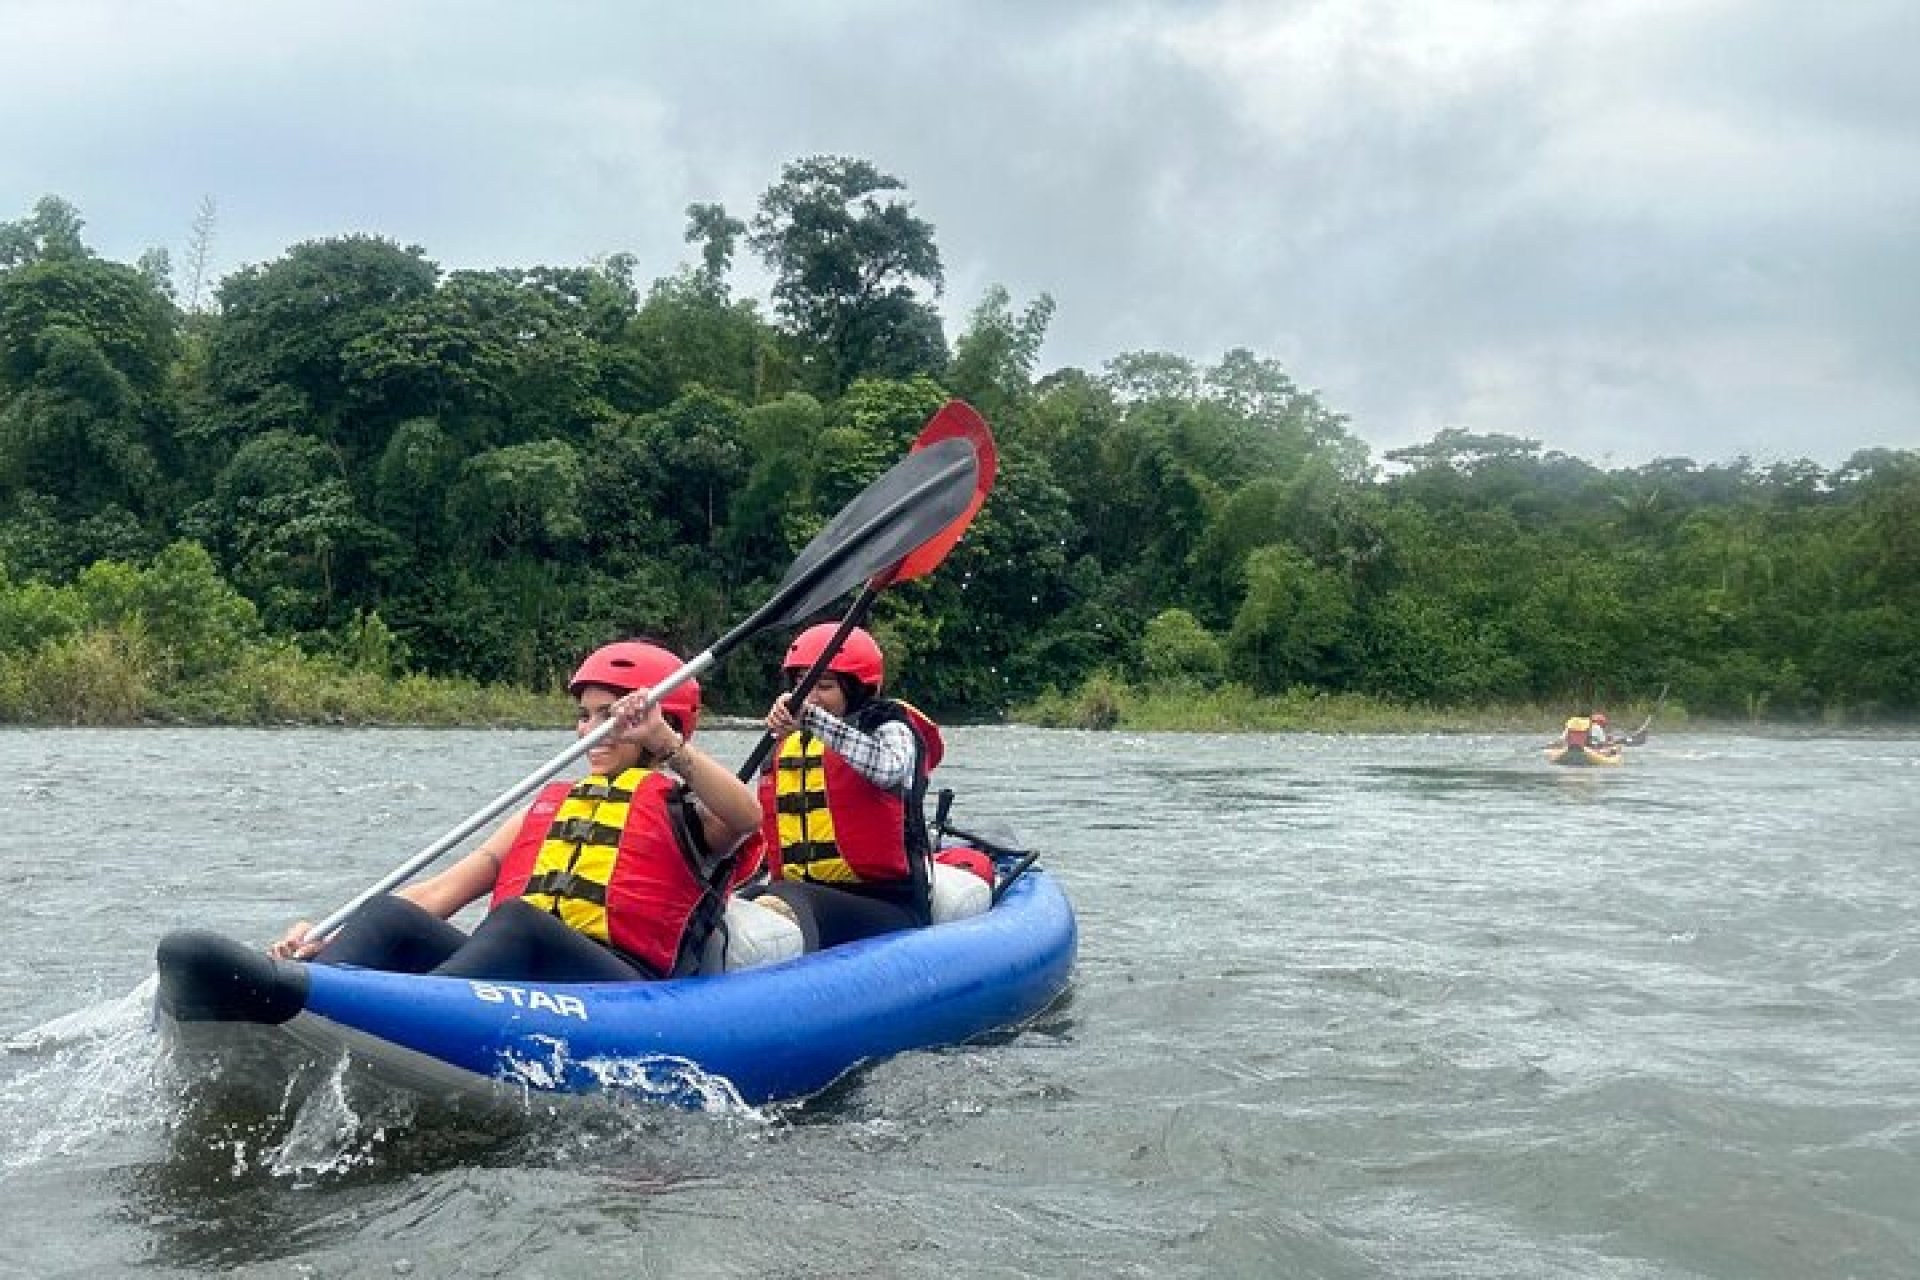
(956, 420)
(1639, 736)
(917, 501)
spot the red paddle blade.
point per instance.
(956, 420)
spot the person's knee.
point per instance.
(384, 913)
(390, 932)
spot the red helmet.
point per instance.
(859, 657)
(632, 664)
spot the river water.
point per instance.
(1345, 1007)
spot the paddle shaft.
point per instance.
(1640, 734)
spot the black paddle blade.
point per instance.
(919, 497)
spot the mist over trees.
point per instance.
(484, 473)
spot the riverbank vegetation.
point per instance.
(173, 643)
(349, 485)
(1104, 702)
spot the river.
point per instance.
(1344, 1007)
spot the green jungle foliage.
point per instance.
(353, 485)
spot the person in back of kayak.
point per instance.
(619, 876)
(844, 832)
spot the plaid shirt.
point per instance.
(883, 757)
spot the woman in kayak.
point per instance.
(844, 832)
(616, 877)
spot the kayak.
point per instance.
(1585, 757)
(753, 1035)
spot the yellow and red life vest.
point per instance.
(620, 860)
(822, 821)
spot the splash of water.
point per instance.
(337, 1129)
(654, 1078)
(85, 1086)
(108, 1018)
(241, 1113)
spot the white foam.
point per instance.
(107, 1018)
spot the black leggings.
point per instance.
(517, 940)
(830, 915)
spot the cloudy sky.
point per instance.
(1625, 228)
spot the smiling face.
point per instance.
(828, 694)
(606, 757)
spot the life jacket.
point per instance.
(821, 821)
(623, 861)
(1576, 731)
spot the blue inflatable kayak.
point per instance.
(755, 1035)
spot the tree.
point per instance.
(74, 432)
(1293, 624)
(116, 308)
(1418, 647)
(699, 462)
(1175, 646)
(179, 605)
(1006, 614)
(34, 613)
(411, 481)
(846, 261)
(689, 333)
(709, 226)
(1135, 376)
(200, 255)
(523, 497)
(156, 268)
(292, 532)
(280, 356)
(1460, 450)
(1289, 424)
(452, 354)
(868, 430)
(85, 349)
(994, 359)
(772, 511)
(50, 233)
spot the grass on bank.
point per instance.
(105, 677)
(1104, 702)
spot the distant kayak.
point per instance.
(1586, 757)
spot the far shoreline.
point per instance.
(283, 689)
(1420, 722)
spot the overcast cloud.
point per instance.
(1626, 228)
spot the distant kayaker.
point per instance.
(844, 830)
(616, 877)
(1597, 730)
